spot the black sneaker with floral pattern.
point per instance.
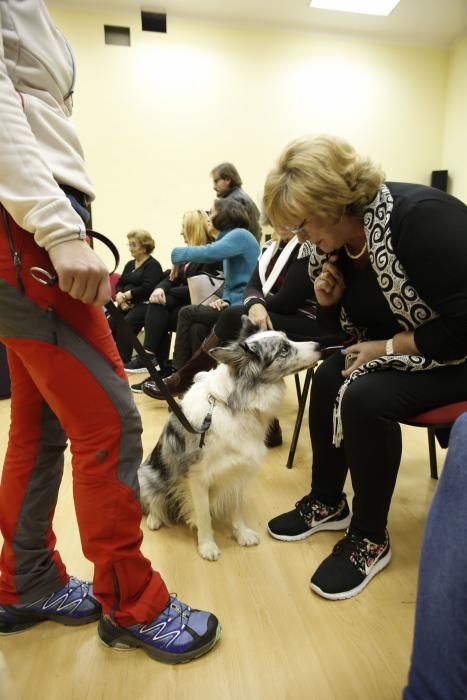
(309, 516)
(354, 561)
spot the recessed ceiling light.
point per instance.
(364, 7)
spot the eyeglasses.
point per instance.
(133, 245)
(295, 230)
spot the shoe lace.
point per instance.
(75, 585)
(361, 551)
(309, 506)
(179, 609)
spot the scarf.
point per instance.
(267, 283)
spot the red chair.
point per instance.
(114, 277)
(438, 419)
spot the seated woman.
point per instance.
(389, 268)
(138, 279)
(172, 293)
(238, 249)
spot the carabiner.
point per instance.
(43, 276)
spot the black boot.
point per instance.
(273, 434)
(180, 381)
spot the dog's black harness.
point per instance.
(50, 279)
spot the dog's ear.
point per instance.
(247, 329)
(235, 354)
(228, 354)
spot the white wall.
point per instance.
(156, 117)
(455, 136)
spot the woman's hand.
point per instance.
(363, 352)
(329, 285)
(120, 298)
(259, 316)
(219, 304)
(174, 272)
(158, 297)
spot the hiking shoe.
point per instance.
(273, 434)
(177, 635)
(73, 604)
(136, 364)
(310, 516)
(354, 561)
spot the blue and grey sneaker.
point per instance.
(73, 604)
(179, 633)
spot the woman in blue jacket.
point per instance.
(239, 251)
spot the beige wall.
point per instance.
(154, 118)
(455, 136)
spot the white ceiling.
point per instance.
(421, 22)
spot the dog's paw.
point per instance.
(209, 550)
(153, 522)
(247, 537)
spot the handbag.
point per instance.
(205, 288)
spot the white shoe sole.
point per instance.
(333, 525)
(344, 595)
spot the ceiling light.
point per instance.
(364, 7)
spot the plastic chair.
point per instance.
(114, 277)
(438, 423)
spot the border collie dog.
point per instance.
(181, 481)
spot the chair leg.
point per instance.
(298, 388)
(299, 418)
(432, 453)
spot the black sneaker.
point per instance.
(136, 364)
(137, 388)
(354, 561)
(310, 516)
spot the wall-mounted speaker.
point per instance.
(439, 179)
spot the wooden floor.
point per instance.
(279, 640)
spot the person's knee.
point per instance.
(229, 323)
(361, 401)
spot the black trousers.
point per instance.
(372, 445)
(160, 320)
(135, 317)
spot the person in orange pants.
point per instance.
(67, 378)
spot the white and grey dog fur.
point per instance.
(181, 481)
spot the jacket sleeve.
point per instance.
(151, 275)
(123, 281)
(28, 190)
(253, 293)
(431, 245)
(231, 245)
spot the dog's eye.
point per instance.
(284, 351)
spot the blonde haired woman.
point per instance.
(171, 294)
(389, 267)
(136, 283)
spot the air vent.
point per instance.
(119, 36)
(154, 22)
